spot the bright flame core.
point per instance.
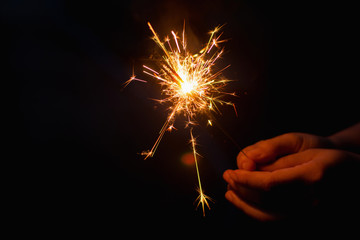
(187, 87)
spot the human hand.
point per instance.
(262, 154)
(293, 185)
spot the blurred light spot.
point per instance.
(188, 159)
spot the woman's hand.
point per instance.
(288, 175)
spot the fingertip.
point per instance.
(226, 175)
(251, 155)
(229, 195)
(244, 162)
(240, 159)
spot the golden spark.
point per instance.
(190, 86)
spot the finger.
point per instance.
(227, 177)
(249, 195)
(232, 185)
(266, 180)
(248, 209)
(244, 162)
(288, 161)
(268, 150)
(251, 179)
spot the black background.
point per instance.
(79, 132)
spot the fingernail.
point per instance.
(248, 165)
(232, 174)
(226, 174)
(254, 153)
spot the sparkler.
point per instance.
(190, 86)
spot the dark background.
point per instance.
(78, 134)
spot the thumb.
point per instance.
(289, 161)
(267, 151)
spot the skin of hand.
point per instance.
(285, 175)
(260, 155)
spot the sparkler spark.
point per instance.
(202, 198)
(190, 85)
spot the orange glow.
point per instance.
(188, 159)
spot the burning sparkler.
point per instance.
(190, 86)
